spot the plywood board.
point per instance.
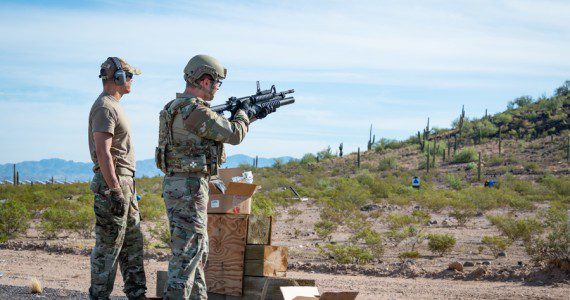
(224, 270)
(259, 230)
(262, 260)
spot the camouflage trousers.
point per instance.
(186, 200)
(119, 240)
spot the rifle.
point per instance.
(262, 98)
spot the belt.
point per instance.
(120, 171)
(124, 172)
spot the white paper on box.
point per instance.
(215, 203)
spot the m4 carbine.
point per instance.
(262, 98)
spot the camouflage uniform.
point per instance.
(119, 239)
(190, 151)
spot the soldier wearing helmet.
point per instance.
(190, 151)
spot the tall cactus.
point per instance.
(370, 139)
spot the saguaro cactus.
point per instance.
(479, 168)
(358, 158)
(340, 150)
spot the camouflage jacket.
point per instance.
(191, 136)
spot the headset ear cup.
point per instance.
(120, 77)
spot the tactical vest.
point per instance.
(182, 151)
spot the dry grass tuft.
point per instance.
(35, 286)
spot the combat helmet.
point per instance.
(203, 64)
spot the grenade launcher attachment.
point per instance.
(261, 98)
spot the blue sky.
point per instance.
(392, 64)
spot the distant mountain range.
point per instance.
(68, 170)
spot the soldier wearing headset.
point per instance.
(119, 239)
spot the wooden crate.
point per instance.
(262, 260)
(225, 266)
(259, 230)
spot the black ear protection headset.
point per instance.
(120, 76)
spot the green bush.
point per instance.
(559, 185)
(55, 220)
(408, 254)
(14, 220)
(308, 158)
(455, 182)
(441, 243)
(325, 228)
(466, 155)
(463, 215)
(152, 207)
(161, 232)
(347, 254)
(471, 166)
(554, 247)
(388, 163)
(517, 229)
(496, 244)
(385, 144)
(495, 160)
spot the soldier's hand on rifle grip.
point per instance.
(117, 202)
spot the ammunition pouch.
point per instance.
(188, 159)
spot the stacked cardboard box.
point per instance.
(242, 262)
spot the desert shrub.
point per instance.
(516, 229)
(308, 158)
(295, 212)
(455, 182)
(161, 231)
(420, 216)
(388, 163)
(441, 243)
(408, 255)
(466, 155)
(54, 221)
(471, 166)
(324, 154)
(422, 165)
(385, 143)
(397, 220)
(372, 240)
(435, 200)
(523, 187)
(463, 215)
(554, 247)
(325, 228)
(14, 220)
(495, 160)
(559, 185)
(152, 207)
(263, 205)
(347, 254)
(496, 244)
(348, 195)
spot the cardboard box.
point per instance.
(237, 197)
